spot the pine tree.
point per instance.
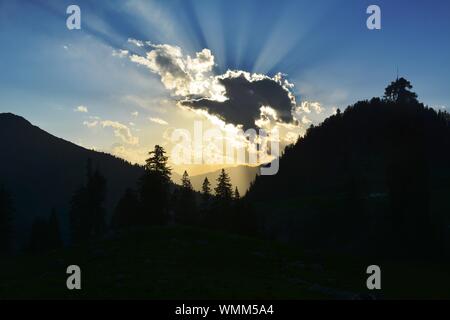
(223, 189)
(186, 182)
(154, 188)
(87, 214)
(398, 91)
(157, 163)
(206, 202)
(236, 195)
(6, 214)
(221, 214)
(186, 211)
(206, 193)
(206, 188)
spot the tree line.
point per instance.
(158, 202)
(155, 201)
(45, 233)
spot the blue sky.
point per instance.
(323, 47)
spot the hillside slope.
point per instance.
(373, 178)
(42, 171)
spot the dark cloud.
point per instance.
(246, 95)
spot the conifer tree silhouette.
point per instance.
(223, 189)
(220, 216)
(398, 91)
(206, 190)
(87, 214)
(206, 202)
(154, 188)
(186, 211)
(157, 163)
(186, 182)
(236, 195)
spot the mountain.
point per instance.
(375, 178)
(241, 177)
(42, 171)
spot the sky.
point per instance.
(138, 70)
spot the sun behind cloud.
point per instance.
(231, 102)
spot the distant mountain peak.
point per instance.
(13, 118)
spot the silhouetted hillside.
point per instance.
(375, 178)
(42, 171)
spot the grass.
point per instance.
(189, 263)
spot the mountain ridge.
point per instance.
(41, 171)
(374, 177)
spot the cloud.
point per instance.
(308, 107)
(184, 75)
(133, 153)
(246, 93)
(137, 43)
(120, 130)
(307, 113)
(236, 96)
(120, 53)
(159, 121)
(82, 109)
(135, 113)
(305, 120)
(90, 124)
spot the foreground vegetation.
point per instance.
(189, 263)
